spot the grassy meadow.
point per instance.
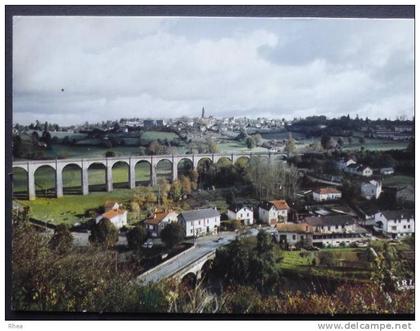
(71, 208)
(347, 263)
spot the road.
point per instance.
(81, 239)
(203, 246)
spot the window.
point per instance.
(394, 228)
(408, 226)
(404, 227)
(294, 237)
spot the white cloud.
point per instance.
(152, 67)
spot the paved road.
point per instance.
(81, 239)
(203, 246)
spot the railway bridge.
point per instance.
(31, 166)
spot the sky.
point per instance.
(69, 70)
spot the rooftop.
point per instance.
(112, 213)
(330, 220)
(398, 214)
(278, 204)
(237, 207)
(197, 214)
(327, 190)
(294, 228)
(158, 217)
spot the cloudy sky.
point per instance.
(113, 67)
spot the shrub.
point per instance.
(136, 237)
(62, 240)
(104, 233)
(172, 234)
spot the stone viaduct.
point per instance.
(59, 164)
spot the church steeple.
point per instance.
(202, 112)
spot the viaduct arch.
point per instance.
(58, 166)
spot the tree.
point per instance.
(290, 147)
(62, 240)
(250, 142)
(35, 138)
(17, 146)
(164, 188)
(176, 190)
(136, 237)
(326, 141)
(186, 185)
(110, 154)
(172, 234)
(212, 146)
(258, 139)
(104, 233)
(264, 242)
(155, 148)
(194, 179)
(340, 141)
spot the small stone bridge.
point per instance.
(191, 271)
(59, 165)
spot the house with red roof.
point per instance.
(156, 222)
(115, 214)
(273, 212)
(326, 194)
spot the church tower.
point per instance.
(202, 112)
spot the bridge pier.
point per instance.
(174, 169)
(109, 185)
(132, 174)
(85, 180)
(153, 177)
(31, 182)
(58, 181)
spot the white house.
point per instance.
(273, 212)
(114, 214)
(344, 163)
(359, 169)
(326, 194)
(200, 222)
(241, 213)
(335, 230)
(294, 234)
(158, 220)
(395, 223)
(371, 189)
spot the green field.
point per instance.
(347, 263)
(377, 145)
(150, 136)
(71, 209)
(234, 146)
(398, 181)
(370, 144)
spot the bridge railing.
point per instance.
(188, 265)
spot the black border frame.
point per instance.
(319, 11)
